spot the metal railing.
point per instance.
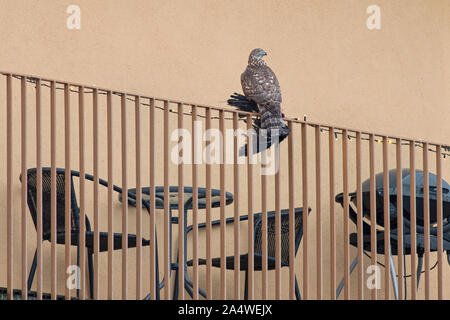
(88, 129)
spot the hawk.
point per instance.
(262, 94)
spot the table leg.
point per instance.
(393, 276)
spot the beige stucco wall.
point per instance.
(331, 68)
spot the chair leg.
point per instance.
(78, 275)
(190, 285)
(297, 290)
(175, 285)
(419, 268)
(404, 278)
(341, 284)
(91, 273)
(246, 285)
(32, 271)
(158, 285)
(181, 264)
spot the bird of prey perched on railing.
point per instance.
(262, 94)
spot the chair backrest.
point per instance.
(46, 201)
(284, 234)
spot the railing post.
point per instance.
(9, 188)
(24, 195)
(167, 221)
(124, 199)
(318, 214)
(251, 273)
(154, 285)
(137, 127)
(346, 215)
(439, 220)
(387, 231)
(305, 211)
(373, 218)
(236, 212)
(96, 196)
(426, 218)
(54, 268)
(331, 139)
(68, 185)
(223, 282)
(110, 193)
(181, 216)
(360, 217)
(412, 209)
(291, 213)
(208, 211)
(400, 243)
(195, 141)
(81, 150)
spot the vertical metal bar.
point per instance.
(96, 200)
(181, 215)
(195, 141)
(360, 217)
(208, 213)
(166, 204)
(291, 214)
(82, 192)
(400, 217)
(412, 206)
(124, 200)
(54, 268)
(137, 127)
(426, 217)
(110, 194)
(318, 216)
(251, 247)
(23, 93)
(153, 248)
(223, 279)
(331, 139)
(387, 232)
(373, 224)
(305, 211)
(9, 192)
(439, 220)
(68, 185)
(39, 188)
(236, 211)
(277, 226)
(346, 215)
(264, 277)
(153, 285)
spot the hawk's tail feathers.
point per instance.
(242, 103)
(284, 132)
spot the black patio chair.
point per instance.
(407, 231)
(258, 259)
(75, 219)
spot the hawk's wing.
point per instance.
(260, 84)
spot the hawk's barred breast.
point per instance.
(262, 94)
(260, 84)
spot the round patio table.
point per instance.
(173, 205)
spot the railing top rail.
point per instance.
(217, 108)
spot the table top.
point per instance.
(174, 197)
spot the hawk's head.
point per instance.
(256, 56)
